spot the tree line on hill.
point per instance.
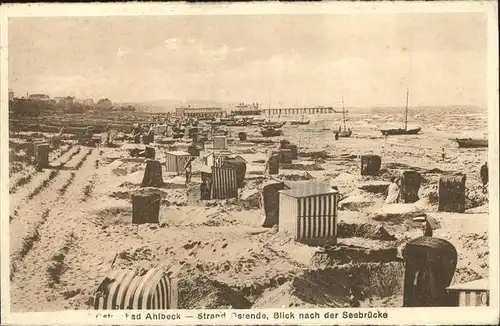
(22, 107)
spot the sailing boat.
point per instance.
(270, 128)
(298, 122)
(346, 132)
(401, 131)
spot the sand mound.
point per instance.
(347, 182)
(330, 287)
(147, 191)
(430, 192)
(245, 150)
(396, 213)
(291, 175)
(133, 178)
(357, 202)
(464, 275)
(177, 182)
(250, 198)
(306, 291)
(200, 292)
(480, 209)
(120, 194)
(131, 257)
(115, 215)
(474, 197)
(169, 197)
(302, 166)
(313, 154)
(301, 293)
(363, 230)
(377, 187)
(347, 254)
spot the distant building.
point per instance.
(39, 97)
(199, 112)
(246, 109)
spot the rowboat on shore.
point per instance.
(271, 132)
(298, 122)
(275, 125)
(472, 143)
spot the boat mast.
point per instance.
(406, 110)
(269, 106)
(343, 111)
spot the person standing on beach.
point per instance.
(392, 192)
(427, 228)
(188, 169)
(484, 176)
(443, 154)
(336, 135)
(205, 194)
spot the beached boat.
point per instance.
(236, 123)
(274, 125)
(306, 122)
(300, 122)
(471, 143)
(216, 123)
(271, 132)
(402, 131)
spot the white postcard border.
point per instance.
(460, 315)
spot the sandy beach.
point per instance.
(68, 224)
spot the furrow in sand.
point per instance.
(27, 214)
(28, 168)
(20, 179)
(33, 180)
(41, 182)
(42, 267)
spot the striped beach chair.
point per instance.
(475, 293)
(309, 213)
(224, 183)
(125, 289)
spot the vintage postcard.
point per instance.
(249, 163)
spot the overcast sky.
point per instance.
(294, 59)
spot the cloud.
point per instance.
(122, 52)
(171, 44)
